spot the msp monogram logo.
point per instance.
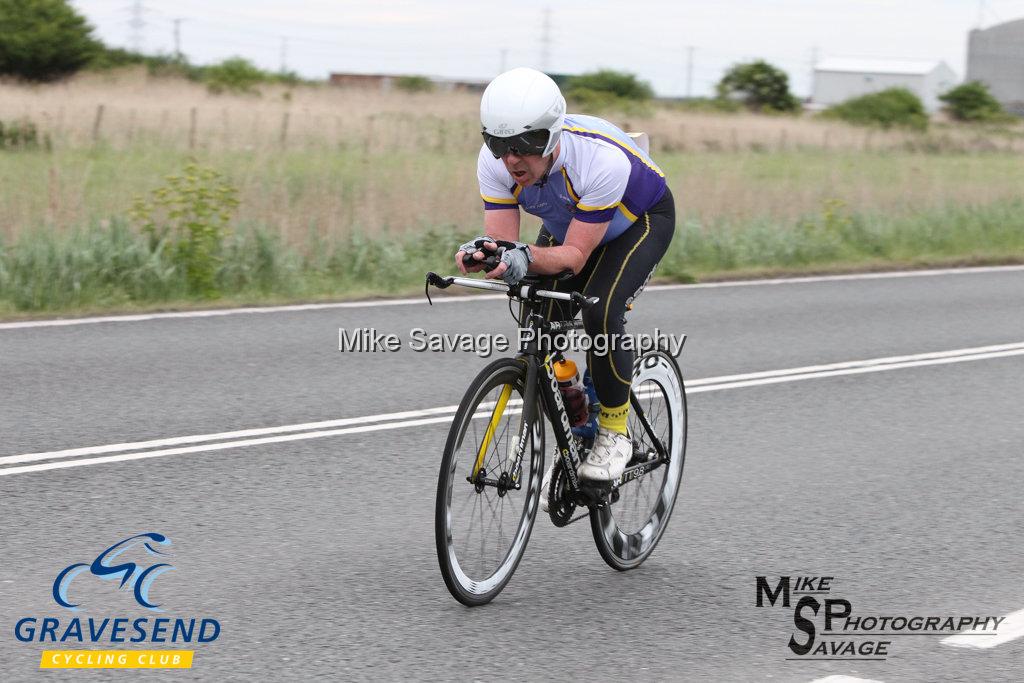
(132, 564)
(827, 628)
(138, 578)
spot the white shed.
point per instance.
(837, 79)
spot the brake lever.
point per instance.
(584, 301)
(438, 281)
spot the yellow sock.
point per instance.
(614, 418)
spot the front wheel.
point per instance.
(486, 499)
(627, 530)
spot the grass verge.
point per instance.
(108, 267)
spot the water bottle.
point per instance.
(589, 430)
(573, 393)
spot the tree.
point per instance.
(42, 40)
(760, 86)
(887, 108)
(973, 102)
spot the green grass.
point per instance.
(110, 267)
(107, 266)
(340, 191)
(836, 238)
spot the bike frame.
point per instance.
(545, 383)
(536, 357)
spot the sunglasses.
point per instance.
(529, 143)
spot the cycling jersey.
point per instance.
(600, 175)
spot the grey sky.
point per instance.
(465, 38)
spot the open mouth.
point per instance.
(518, 175)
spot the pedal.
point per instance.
(594, 493)
(641, 456)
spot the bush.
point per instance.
(19, 134)
(115, 58)
(973, 102)
(236, 74)
(893, 107)
(414, 83)
(759, 86)
(607, 89)
(43, 40)
(618, 84)
(189, 216)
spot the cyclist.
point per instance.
(608, 216)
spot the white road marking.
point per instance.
(855, 371)
(199, 438)
(413, 418)
(1011, 628)
(844, 679)
(213, 313)
(220, 446)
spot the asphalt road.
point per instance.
(316, 555)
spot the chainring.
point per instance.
(560, 507)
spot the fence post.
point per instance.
(54, 192)
(226, 125)
(131, 126)
(192, 129)
(284, 129)
(97, 122)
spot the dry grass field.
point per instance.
(332, 160)
(337, 188)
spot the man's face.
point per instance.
(526, 169)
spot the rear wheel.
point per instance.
(627, 531)
(486, 507)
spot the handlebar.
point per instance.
(527, 291)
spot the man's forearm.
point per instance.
(552, 260)
(502, 225)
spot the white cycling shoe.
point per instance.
(608, 458)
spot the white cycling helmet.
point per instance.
(522, 111)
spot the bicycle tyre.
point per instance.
(624, 550)
(479, 590)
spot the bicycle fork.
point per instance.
(514, 461)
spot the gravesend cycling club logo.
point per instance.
(138, 578)
(131, 565)
(850, 636)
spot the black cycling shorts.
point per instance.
(616, 273)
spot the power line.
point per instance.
(689, 70)
(545, 41)
(177, 38)
(814, 67)
(137, 24)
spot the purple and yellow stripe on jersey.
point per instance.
(503, 202)
(646, 181)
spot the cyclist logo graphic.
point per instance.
(140, 578)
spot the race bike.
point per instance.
(489, 485)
